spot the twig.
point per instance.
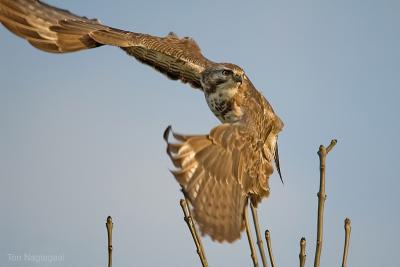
(250, 239)
(322, 153)
(269, 246)
(302, 255)
(347, 228)
(258, 235)
(109, 225)
(190, 223)
(197, 235)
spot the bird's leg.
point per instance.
(251, 243)
(258, 234)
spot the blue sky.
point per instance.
(81, 134)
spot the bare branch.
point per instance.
(109, 225)
(347, 228)
(331, 145)
(322, 152)
(190, 223)
(250, 239)
(302, 255)
(268, 239)
(258, 235)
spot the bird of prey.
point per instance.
(219, 172)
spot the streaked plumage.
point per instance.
(218, 172)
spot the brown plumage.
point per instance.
(59, 31)
(218, 172)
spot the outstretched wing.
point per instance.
(218, 172)
(59, 31)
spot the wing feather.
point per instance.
(57, 30)
(212, 177)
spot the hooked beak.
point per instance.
(237, 78)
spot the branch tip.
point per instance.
(183, 203)
(347, 229)
(267, 234)
(331, 145)
(302, 255)
(192, 227)
(109, 225)
(269, 246)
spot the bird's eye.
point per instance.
(226, 72)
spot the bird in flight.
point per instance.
(219, 172)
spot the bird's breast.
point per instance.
(224, 103)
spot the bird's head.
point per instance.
(224, 75)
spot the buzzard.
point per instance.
(219, 172)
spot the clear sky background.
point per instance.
(81, 134)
